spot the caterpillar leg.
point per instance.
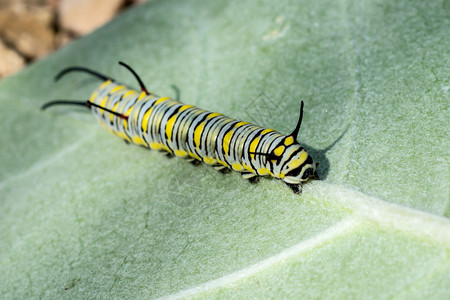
(225, 170)
(194, 161)
(252, 178)
(222, 169)
(296, 188)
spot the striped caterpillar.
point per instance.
(186, 131)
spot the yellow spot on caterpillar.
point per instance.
(226, 141)
(166, 148)
(139, 141)
(155, 146)
(266, 131)
(180, 153)
(288, 141)
(303, 156)
(191, 154)
(262, 171)
(281, 175)
(198, 133)
(103, 103)
(169, 126)
(294, 163)
(222, 162)
(145, 119)
(93, 96)
(253, 146)
(104, 84)
(209, 160)
(128, 93)
(113, 109)
(161, 100)
(128, 111)
(184, 107)
(237, 167)
(297, 162)
(141, 95)
(212, 115)
(123, 135)
(248, 168)
(279, 150)
(117, 88)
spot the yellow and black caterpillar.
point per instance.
(198, 135)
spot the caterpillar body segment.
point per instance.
(164, 124)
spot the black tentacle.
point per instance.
(63, 72)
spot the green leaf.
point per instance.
(82, 215)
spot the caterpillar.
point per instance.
(198, 135)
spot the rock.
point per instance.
(29, 32)
(10, 61)
(83, 16)
(29, 29)
(63, 38)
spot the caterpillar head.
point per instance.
(289, 161)
(293, 164)
(298, 168)
(296, 165)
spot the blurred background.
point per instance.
(32, 29)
